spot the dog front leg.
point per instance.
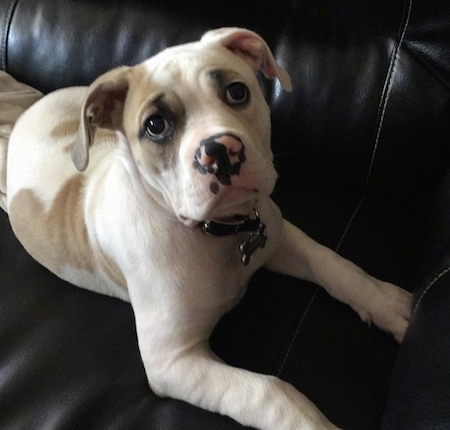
(384, 304)
(186, 369)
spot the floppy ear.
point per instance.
(253, 49)
(103, 107)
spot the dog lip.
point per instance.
(188, 222)
(222, 207)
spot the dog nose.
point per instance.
(219, 151)
(232, 143)
(222, 155)
(208, 158)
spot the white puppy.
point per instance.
(166, 204)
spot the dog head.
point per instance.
(194, 123)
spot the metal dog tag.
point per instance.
(257, 239)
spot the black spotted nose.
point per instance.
(221, 155)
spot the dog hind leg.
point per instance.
(15, 98)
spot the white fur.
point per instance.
(141, 204)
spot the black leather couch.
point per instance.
(362, 146)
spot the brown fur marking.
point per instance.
(64, 129)
(59, 236)
(70, 129)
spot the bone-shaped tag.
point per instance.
(258, 239)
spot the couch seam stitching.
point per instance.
(382, 107)
(350, 222)
(389, 82)
(5, 34)
(428, 288)
(383, 101)
(296, 333)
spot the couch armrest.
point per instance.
(420, 392)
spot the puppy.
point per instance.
(152, 185)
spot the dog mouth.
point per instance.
(221, 211)
(189, 222)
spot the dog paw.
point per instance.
(389, 307)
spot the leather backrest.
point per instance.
(371, 83)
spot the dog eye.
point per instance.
(237, 93)
(157, 127)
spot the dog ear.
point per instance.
(253, 49)
(103, 107)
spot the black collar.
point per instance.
(239, 224)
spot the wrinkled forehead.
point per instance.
(193, 64)
(187, 77)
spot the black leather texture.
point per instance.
(362, 147)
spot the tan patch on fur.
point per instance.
(64, 129)
(59, 236)
(56, 237)
(70, 128)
